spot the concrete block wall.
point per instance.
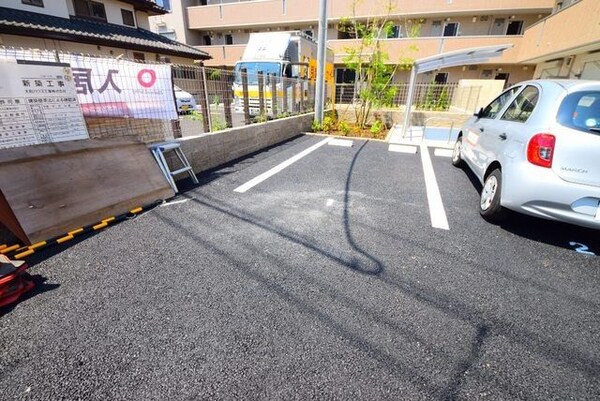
(417, 118)
(143, 129)
(209, 150)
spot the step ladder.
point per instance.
(159, 149)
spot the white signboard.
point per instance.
(119, 88)
(38, 104)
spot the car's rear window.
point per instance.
(581, 111)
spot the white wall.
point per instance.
(176, 21)
(113, 11)
(57, 8)
(141, 18)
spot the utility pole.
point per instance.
(321, 52)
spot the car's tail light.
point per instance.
(541, 150)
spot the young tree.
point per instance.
(374, 71)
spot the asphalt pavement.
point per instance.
(324, 281)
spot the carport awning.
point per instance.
(455, 58)
(475, 55)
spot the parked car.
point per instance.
(185, 101)
(536, 150)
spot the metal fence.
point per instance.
(225, 98)
(427, 96)
(206, 99)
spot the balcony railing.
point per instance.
(279, 13)
(223, 55)
(397, 49)
(574, 27)
(416, 48)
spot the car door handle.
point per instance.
(502, 136)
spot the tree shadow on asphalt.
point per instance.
(550, 232)
(448, 305)
(369, 265)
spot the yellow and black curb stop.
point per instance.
(20, 252)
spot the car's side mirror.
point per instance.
(479, 113)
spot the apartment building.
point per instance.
(222, 27)
(96, 27)
(567, 43)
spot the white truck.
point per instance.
(288, 57)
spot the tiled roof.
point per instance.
(18, 22)
(148, 5)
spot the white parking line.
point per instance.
(434, 198)
(443, 152)
(341, 142)
(402, 148)
(174, 202)
(257, 180)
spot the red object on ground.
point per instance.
(14, 284)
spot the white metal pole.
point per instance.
(321, 52)
(409, 98)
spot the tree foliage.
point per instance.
(374, 71)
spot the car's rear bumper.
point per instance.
(537, 191)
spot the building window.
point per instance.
(163, 59)
(138, 56)
(207, 40)
(502, 76)
(441, 78)
(37, 3)
(514, 28)
(127, 17)
(166, 4)
(90, 9)
(309, 33)
(229, 39)
(436, 28)
(283, 7)
(498, 27)
(451, 29)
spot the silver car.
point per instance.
(536, 150)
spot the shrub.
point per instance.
(376, 128)
(344, 127)
(329, 124)
(442, 102)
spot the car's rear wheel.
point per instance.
(489, 204)
(457, 160)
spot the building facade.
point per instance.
(555, 38)
(96, 27)
(222, 27)
(567, 43)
